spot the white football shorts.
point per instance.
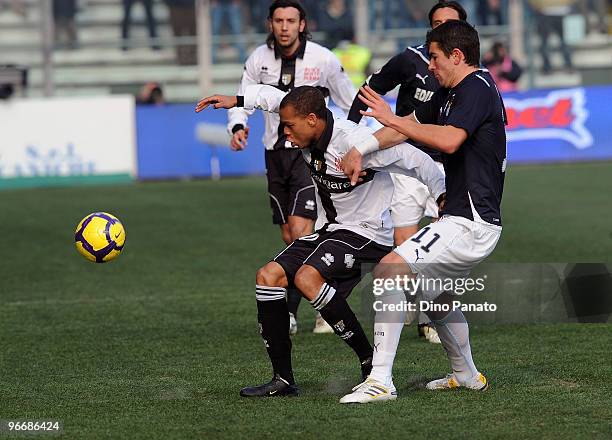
(447, 250)
(411, 201)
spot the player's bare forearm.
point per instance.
(217, 101)
(388, 137)
(444, 138)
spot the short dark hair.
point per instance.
(304, 35)
(444, 4)
(306, 100)
(457, 34)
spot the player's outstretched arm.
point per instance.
(217, 101)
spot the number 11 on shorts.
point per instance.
(418, 238)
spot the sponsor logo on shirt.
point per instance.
(559, 115)
(312, 73)
(423, 95)
(332, 185)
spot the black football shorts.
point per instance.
(290, 186)
(338, 256)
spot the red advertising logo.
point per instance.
(559, 115)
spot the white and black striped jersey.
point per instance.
(311, 65)
(364, 208)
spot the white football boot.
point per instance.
(321, 326)
(292, 324)
(370, 391)
(431, 334)
(478, 382)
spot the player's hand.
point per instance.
(217, 101)
(351, 165)
(239, 140)
(379, 109)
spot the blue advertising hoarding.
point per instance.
(168, 145)
(544, 126)
(559, 125)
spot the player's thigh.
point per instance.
(446, 250)
(278, 188)
(293, 256)
(343, 257)
(432, 246)
(408, 202)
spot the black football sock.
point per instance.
(273, 318)
(337, 313)
(293, 300)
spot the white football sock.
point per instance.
(387, 331)
(455, 337)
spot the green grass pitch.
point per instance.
(157, 343)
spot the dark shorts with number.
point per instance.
(338, 256)
(290, 186)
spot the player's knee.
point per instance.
(272, 275)
(403, 233)
(390, 266)
(305, 277)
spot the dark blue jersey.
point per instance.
(475, 172)
(410, 70)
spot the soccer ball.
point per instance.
(100, 237)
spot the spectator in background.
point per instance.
(231, 11)
(17, 6)
(601, 12)
(505, 71)
(549, 19)
(151, 94)
(355, 60)
(183, 22)
(258, 15)
(414, 13)
(312, 8)
(492, 12)
(64, 12)
(471, 9)
(127, 22)
(336, 20)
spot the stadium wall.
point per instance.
(67, 141)
(92, 140)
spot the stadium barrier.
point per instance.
(544, 126)
(80, 140)
(67, 141)
(170, 144)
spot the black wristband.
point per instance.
(239, 101)
(237, 127)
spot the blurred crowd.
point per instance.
(232, 19)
